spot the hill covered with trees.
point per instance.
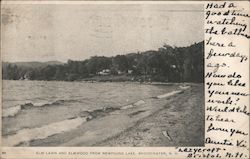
(167, 64)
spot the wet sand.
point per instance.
(173, 121)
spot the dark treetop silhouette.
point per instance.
(167, 64)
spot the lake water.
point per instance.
(89, 95)
(32, 107)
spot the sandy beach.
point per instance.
(180, 122)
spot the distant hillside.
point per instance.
(33, 64)
(167, 64)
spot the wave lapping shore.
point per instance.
(13, 111)
(136, 111)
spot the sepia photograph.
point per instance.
(102, 75)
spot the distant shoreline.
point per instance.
(107, 81)
(167, 64)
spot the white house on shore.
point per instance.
(130, 71)
(104, 72)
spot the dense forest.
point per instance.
(167, 64)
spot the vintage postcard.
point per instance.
(124, 79)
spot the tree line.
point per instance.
(167, 64)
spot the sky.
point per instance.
(49, 32)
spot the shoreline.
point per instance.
(96, 130)
(160, 128)
(129, 81)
